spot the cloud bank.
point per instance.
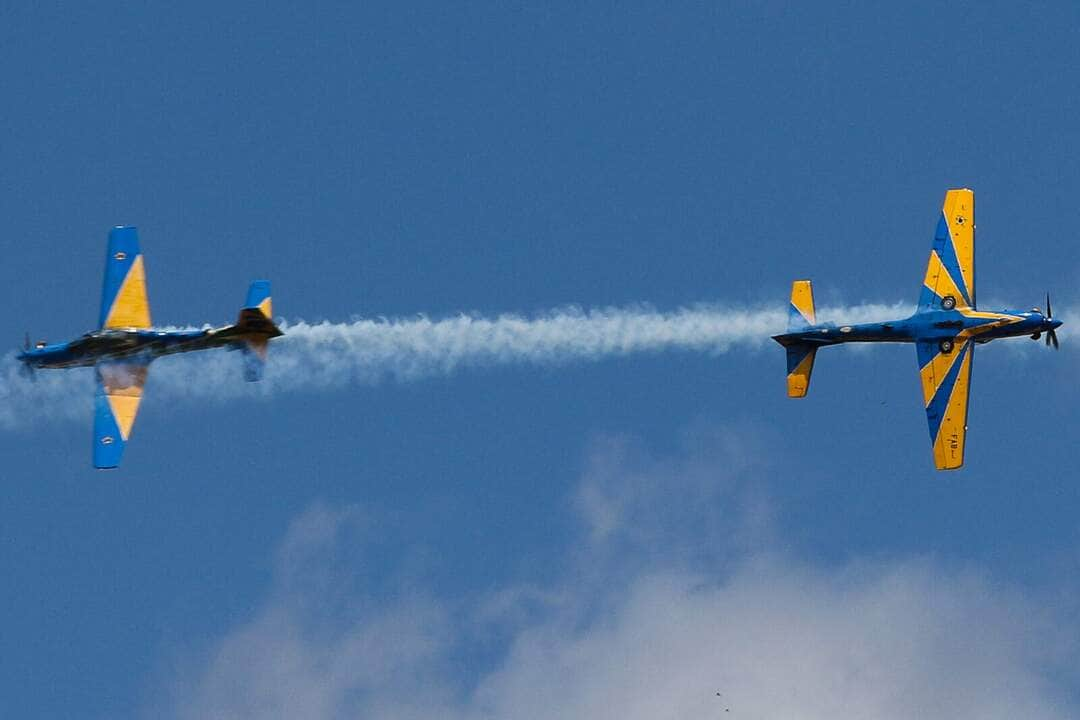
(675, 602)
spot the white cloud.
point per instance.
(782, 640)
(676, 592)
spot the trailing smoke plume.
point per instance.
(368, 351)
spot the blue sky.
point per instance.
(622, 536)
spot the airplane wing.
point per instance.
(946, 380)
(951, 270)
(119, 391)
(123, 298)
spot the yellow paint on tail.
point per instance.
(802, 297)
(798, 380)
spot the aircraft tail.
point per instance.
(800, 355)
(256, 324)
(800, 363)
(801, 311)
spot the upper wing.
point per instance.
(951, 270)
(119, 392)
(123, 298)
(946, 380)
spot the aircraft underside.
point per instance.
(945, 328)
(122, 350)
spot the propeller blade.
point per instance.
(26, 342)
(1048, 337)
(1049, 312)
(1052, 336)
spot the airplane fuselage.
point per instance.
(117, 344)
(934, 326)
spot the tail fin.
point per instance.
(800, 356)
(258, 298)
(255, 354)
(800, 363)
(801, 310)
(256, 324)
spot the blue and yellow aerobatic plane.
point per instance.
(945, 328)
(123, 348)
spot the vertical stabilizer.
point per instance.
(258, 298)
(800, 355)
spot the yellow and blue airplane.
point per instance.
(126, 343)
(945, 328)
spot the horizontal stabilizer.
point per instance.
(801, 311)
(255, 354)
(256, 326)
(800, 363)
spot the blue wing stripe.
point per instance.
(946, 251)
(943, 243)
(935, 411)
(928, 299)
(108, 442)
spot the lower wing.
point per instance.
(945, 371)
(120, 386)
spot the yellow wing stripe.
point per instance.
(996, 320)
(130, 308)
(124, 409)
(949, 445)
(123, 385)
(802, 297)
(959, 209)
(933, 373)
(941, 282)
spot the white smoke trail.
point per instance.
(366, 351)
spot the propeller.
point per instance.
(26, 342)
(1051, 334)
